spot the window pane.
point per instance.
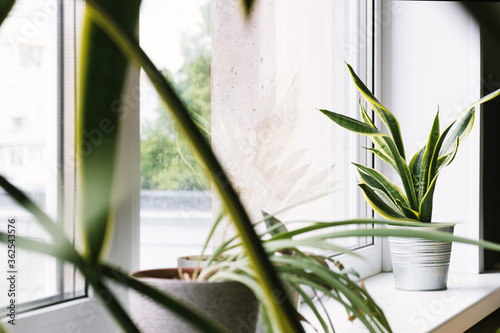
(176, 201)
(270, 76)
(29, 147)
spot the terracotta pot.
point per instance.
(232, 304)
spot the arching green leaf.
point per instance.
(385, 115)
(462, 125)
(459, 128)
(426, 161)
(427, 202)
(351, 124)
(382, 150)
(408, 212)
(415, 165)
(381, 154)
(379, 205)
(102, 77)
(404, 173)
(375, 179)
(444, 161)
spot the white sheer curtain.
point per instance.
(270, 75)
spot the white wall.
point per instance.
(431, 56)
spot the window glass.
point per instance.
(176, 198)
(30, 146)
(254, 87)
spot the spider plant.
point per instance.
(314, 276)
(419, 176)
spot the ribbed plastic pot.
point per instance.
(232, 304)
(421, 264)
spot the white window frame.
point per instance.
(86, 314)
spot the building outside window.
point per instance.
(30, 150)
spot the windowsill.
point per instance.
(79, 315)
(467, 301)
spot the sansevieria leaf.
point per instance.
(351, 124)
(427, 159)
(382, 149)
(375, 179)
(385, 115)
(464, 122)
(103, 70)
(415, 165)
(383, 157)
(459, 128)
(444, 161)
(379, 205)
(426, 204)
(408, 212)
(404, 173)
(419, 177)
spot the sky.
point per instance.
(161, 25)
(162, 22)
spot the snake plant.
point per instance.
(419, 176)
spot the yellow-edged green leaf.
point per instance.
(459, 128)
(426, 161)
(382, 195)
(415, 165)
(426, 204)
(379, 205)
(404, 173)
(434, 162)
(364, 116)
(382, 150)
(385, 115)
(408, 212)
(381, 154)
(462, 125)
(351, 124)
(427, 201)
(446, 160)
(375, 179)
(273, 225)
